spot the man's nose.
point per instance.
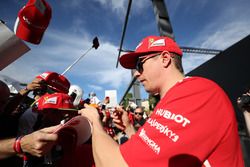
(136, 74)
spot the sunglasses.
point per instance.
(142, 59)
(138, 113)
(45, 89)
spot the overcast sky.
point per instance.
(208, 24)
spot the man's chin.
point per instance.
(149, 91)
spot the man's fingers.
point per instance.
(49, 137)
(86, 105)
(117, 121)
(48, 133)
(50, 129)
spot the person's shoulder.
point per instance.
(206, 85)
(201, 81)
(197, 84)
(198, 79)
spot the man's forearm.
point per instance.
(6, 148)
(247, 120)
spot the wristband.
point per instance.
(17, 145)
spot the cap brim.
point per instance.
(26, 34)
(81, 126)
(129, 60)
(66, 109)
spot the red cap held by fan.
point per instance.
(33, 20)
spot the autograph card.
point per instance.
(80, 125)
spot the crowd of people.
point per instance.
(36, 112)
(36, 143)
(185, 128)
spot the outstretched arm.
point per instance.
(247, 120)
(6, 148)
(105, 150)
(37, 143)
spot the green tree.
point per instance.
(126, 99)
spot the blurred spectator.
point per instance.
(93, 98)
(139, 120)
(37, 143)
(13, 110)
(134, 117)
(244, 105)
(105, 102)
(28, 119)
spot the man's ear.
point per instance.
(166, 58)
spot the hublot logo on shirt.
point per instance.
(175, 117)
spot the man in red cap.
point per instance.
(74, 131)
(47, 82)
(186, 127)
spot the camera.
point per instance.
(244, 102)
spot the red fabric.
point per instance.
(81, 157)
(58, 101)
(193, 124)
(131, 117)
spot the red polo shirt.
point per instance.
(193, 124)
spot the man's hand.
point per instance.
(90, 112)
(36, 84)
(40, 142)
(122, 122)
(120, 118)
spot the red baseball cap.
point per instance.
(59, 101)
(78, 126)
(55, 81)
(32, 21)
(150, 44)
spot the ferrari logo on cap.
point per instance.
(150, 41)
(52, 100)
(44, 75)
(159, 42)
